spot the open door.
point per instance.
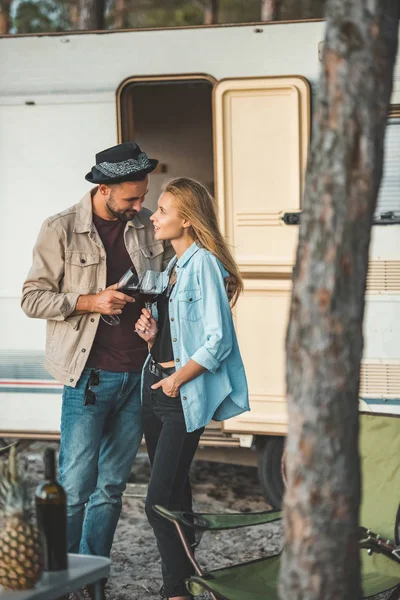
(261, 133)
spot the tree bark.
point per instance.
(324, 339)
(120, 14)
(211, 12)
(5, 20)
(91, 14)
(73, 9)
(271, 10)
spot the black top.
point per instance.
(117, 349)
(161, 350)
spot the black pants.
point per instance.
(171, 450)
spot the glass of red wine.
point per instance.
(151, 287)
(129, 284)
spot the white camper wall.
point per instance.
(46, 150)
(100, 62)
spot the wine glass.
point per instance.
(151, 287)
(129, 284)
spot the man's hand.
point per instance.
(169, 386)
(107, 302)
(229, 283)
(110, 301)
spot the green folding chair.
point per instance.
(259, 579)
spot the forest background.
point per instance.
(45, 16)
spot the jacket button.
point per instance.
(190, 299)
(83, 349)
(100, 289)
(151, 254)
(83, 261)
(174, 340)
(71, 380)
(177, 360)
(172, 318)
(184, 398)
(92, 320)
(171, 300)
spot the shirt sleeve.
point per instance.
(41, 298)
(218, 322)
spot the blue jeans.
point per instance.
(98, 445)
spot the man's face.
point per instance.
(125, 200)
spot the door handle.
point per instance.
(291, 218)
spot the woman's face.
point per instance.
(168, 225)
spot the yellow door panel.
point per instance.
(261, 130)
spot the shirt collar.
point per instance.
(84, 215)
(136, 222)
(187, 255)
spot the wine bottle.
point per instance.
(51, 514)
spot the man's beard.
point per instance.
(122, 215)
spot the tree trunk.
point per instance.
(91, 14)
(5, 20)
(211, 12)
(271, 10)
(324, 338)
(73, 9)
(119, 14)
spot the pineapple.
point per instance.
(20, 549)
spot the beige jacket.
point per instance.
(69, 260)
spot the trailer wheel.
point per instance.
(270, 470)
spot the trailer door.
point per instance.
(261, 136)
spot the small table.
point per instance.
(82, 570)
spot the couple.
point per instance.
(193, 373)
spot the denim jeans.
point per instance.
(98, 445)
(171, 450)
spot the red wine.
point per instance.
(51, 514)
(133, 292)
(149, 297)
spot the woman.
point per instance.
(195, 372)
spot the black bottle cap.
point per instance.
(50, 464)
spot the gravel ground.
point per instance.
(135, 572)
(217, 488)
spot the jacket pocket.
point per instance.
(60, 343)
(81, 269)
(150, 251)
(189, 304)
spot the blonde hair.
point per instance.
(196, 204)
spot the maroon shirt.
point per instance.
(119, 348)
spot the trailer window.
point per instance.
(389, 194)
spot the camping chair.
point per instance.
(259, 579)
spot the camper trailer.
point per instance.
(230, 106)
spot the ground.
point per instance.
(217, 488)
(135, 572)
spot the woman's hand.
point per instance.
(229, 286)
(169, 385)
(146, 326)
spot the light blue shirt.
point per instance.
(202, 330)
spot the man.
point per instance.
(79, 256)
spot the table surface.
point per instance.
(82, 569)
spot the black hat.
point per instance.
(125, 162)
